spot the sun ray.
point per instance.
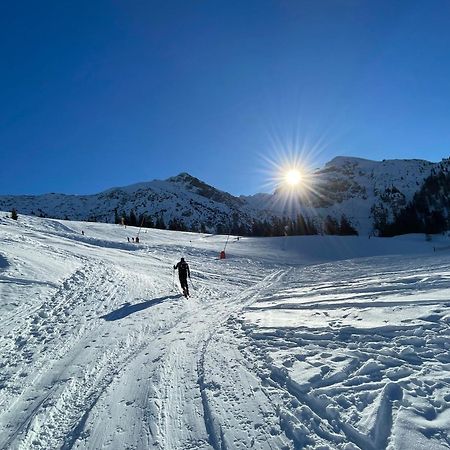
(289, 174)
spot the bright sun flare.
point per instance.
(293, 177)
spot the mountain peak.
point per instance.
(183, 177)
(205, 190)
(340, 161)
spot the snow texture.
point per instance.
(312, 342)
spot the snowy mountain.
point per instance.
(351, 187)
(182, 197)
(303, 342)
(355, 188)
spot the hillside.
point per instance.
(355, 188)
(183, 197)
(300, 342)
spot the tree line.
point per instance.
(276, 226)
(427, 212)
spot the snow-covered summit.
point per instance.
(339, 161)
(374, 176)
(183, 177)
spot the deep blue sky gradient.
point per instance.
(96, 94)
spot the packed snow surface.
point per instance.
(303, 342)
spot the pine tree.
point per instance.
(132, 219)
(277, 227)
(221, 228)
(301, 227)
(160, 224)
(124, 218)
(176, 225)
(436, 223)
(330, 226)
(148, 223)
(346, 228)
(14, 215)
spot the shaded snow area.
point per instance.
(301, 342)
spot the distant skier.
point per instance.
(183, 274)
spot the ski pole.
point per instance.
(173, 280)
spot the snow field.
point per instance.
(306, 342)
(370, 363)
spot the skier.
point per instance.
(183, 273)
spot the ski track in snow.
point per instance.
(354, 378)
(99, 350)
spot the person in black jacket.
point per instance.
(183, 274)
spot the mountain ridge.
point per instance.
(344, 187)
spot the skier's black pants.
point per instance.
(184, 285)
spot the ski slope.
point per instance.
(313, 342)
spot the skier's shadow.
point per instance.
(4, 264)
(128, 309)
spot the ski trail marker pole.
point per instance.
(226, 243)
(142, 223)
(222, 253)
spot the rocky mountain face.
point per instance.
(368, 194)
(183, 198)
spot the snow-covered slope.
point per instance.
(345, 186)
(183, 197)
(302, 342)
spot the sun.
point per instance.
(293, 177)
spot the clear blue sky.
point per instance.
(98, 93)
